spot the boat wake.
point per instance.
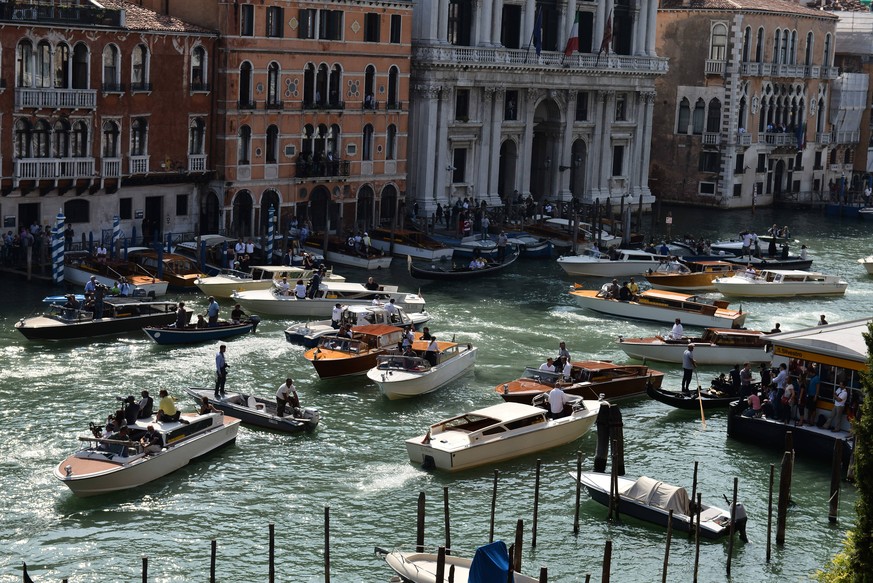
(382, 477)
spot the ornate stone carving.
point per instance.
(488, 94)
(755, 103)
(428, 91)
(813, 107)
(534, 94)
(648, 96)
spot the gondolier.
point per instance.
(688, 366)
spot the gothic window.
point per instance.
(684, 117)
(245, 145)
(718, 42)
(110, 139)
(697, 117)
(196, 136)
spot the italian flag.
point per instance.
(573, 39)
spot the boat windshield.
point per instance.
(341, 343)
(544, 377)
(69, 314)
(408, 363)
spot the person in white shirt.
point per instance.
(101, 253)
(391, 308)
(432, 351)
(568, 370)
(548, 365)
(91, 286)
(841, 395)
(239, 249)
(125, 289)
(557, 403)
(300, 290)
(286, 395)
(284, 287)
(677, 331)
(336, 315)
(250, 247)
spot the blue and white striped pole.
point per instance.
(116, 236)
(58, 248)
(271, 214)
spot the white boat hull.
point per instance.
(605, 268)
(451, 452)
(417, 252)
(383, 262)
(405, 384)
(264, 302)
(81, 277)
(421, 567)
(761, 289)
(114, 477)
(867, 262)
(704, 353)
(636, 311)
(222, 286)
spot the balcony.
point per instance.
(852, 137)
(196, 162)
(138, 164)
(823, 138)
(789, 71)
(110, 168)
(53, 168)
(711, 139)
(714, 67)
(140, 87)
(777, 139)
(394, 105)
(55, 98)
(744, 139)
(370, 104)
(113, 87)
(69, 13)
(200, 86)
(335, 104)
(246, 105)
(274, 105)
(323, 169)
(509, 59)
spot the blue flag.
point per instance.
(538, 31)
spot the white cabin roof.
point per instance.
(842, 340)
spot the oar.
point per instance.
(700, 400)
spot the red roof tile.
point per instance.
(139, 18)
(779, 6)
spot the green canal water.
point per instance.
(356, 462)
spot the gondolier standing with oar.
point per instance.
(688, 366)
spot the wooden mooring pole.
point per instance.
(327, 544)
(544, 575)
(213, 551)
(693, 493)
(272, 553)
(733, 519)
(533, 539)
(607, 562)
(519, 539)
(616, 435)
(446, 518)
(145, 569)
(441, 564)
(419, 525)
(667, 548)
(602, 450)
(493, 506)
(697, 536)
(578, 491)
(785, 474)
(770, 512)
(836, 470)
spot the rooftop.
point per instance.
(777, 6)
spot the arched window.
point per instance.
(196, 136)
(272, 144)
(245, 86)
(41, 146)
(308, 135)
(759, 46)
(139, 137)
(24, 64)
(698, 117)
(367, 145)
(741, 116)
(713, 116)
(684, 116)
(333, 141)
(111, 69)
(80, 140)
(783, 54)
(273, 84)
(334, 85)
(321, 85)
(198, 69)
(81, 67)
(792, 48)
(393, 101)
(62, 66)
(747, 43)
(777, 41)
(718, 42)
(43, 68)
(309, 85)
(139, 72)
(110, 139)
(391, 142)
(807, 60)
(62, 139)
(370, 82)
(321, 142)
(23, 138)
(827, 51)
(245, 145)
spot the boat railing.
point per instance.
(122, 447)
(407, 363)
(235, 273)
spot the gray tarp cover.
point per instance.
(654, 493)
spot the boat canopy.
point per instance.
(490, 563)
(660, 495)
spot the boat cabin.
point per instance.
(680, 301)
(173, 263)
(730, 337)
(364, 339)
(399, 362)
(478, 425)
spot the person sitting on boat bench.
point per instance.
(206, 407)
(754, 408)
(558, 403)
(237, 314)
(131, 410)
(284, 287)
(548, 365)
(624, 293)
(167, 409)
(613, 290)
(151, 441)
(181, 316)
(300, 290)
(677, 331)
(146, 404)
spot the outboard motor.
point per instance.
(308, 414)
(255, 320)
(740, 520)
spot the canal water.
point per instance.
(356, 462)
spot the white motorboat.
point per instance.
(490, 563)
(308, 333)
(676, 276)
(722, 346)
(867, 262)
(400, 377)
(112, 464)
(652, 500)
(866, 213)
(627, 262)
(409, 243)
(499, 433)
(271, 302)
(781, 283)
(663, 306)
(371, 261)
(258, 277)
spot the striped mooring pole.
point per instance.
(58, 248)
(271, 214)
(116, 236)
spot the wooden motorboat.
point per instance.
(588, 378)
(209, 251)
(726, 346)
(490, 563)
(696, 275)
(79, 266)
(651, 500)
(867, 262)
(469, 246)
(498, 433)
(178, 270)
(270, 302)
(560, 232)
(662, 306)
(109, 465)
(779, 283)
(258, 411)
(308, 333)
(627, 262)
(406, 242)
(710, 398)
(531, 246)
(401, 377)
(228, 281)
(339, 253)
(192, 334)
(337, 356)
(119, 315)
(454, 270)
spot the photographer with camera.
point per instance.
(220, 371)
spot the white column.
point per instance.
(651, 29)
(443, 153)
(566, 158)
(496, 134)
(530, 11)
(636, 43)
(605, 145)
(645, 159)
(483, 188)
(599, 22)
(525, 155)
(592, 160)
(641, 26)
(562, 28)
(443, 26)
(571, 17)
(636, 152)
(484, 22)
(497, 22)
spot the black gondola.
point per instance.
(449, 271)
(711, 399)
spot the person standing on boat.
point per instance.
(563, 352)
(780, 380)
(502, 242)
(746, 380)
(486, 222)
(677, 331)
(336, 316)
(314, 284)
(212, 311)
(181, 316)
(433, 350)
(688, 366)
(558, 403)
(237, 314)
(391, 309)
(841, 395)
(220, 371)
(286, 395)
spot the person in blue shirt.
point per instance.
(212, 311)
